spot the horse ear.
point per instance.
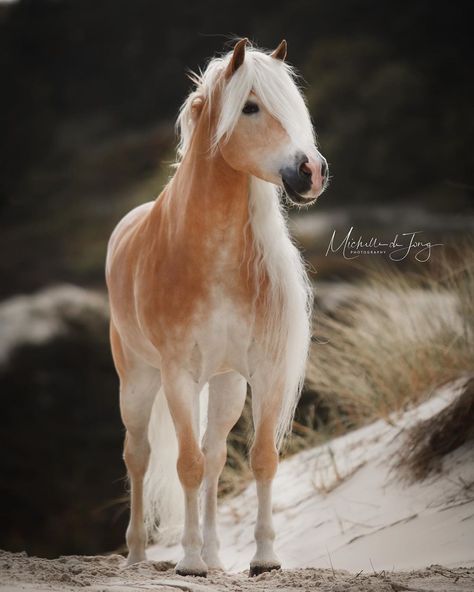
(237, 58)
(196, 107)
(280, 51)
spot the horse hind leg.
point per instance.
(226, 400)
(137, 396)
(139, 384)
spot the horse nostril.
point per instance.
(324, 169)
(305, 170)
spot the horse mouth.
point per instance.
(295, 197)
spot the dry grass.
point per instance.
(396, 338)
(429, 441)
(399, 337)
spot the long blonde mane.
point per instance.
(289, 302)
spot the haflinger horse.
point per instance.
(207, 288)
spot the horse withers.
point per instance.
(207, 288)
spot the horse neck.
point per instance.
(207, 200)
(206, 188)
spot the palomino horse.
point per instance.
(206, 287)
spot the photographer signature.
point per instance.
(397, 249)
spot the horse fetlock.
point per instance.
(191, 542)
(136, 557)
(136, 542)
(210, 555)
(136, 536)
(264, 533)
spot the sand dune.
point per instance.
(344, 521)
(344, 506)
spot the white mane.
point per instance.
(288, 311)
(288, 314)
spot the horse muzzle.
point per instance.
(306, 179)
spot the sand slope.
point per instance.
(343, 506)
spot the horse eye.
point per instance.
(250, 108)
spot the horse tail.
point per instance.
(163, 500)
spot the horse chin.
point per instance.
(295, 198)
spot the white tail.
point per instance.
(163, 499)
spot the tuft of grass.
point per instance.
(429, 441)
(398, 337)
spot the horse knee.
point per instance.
(136, 454)
(190, 466)
(264, 532)
(215, 458)
(264, 461)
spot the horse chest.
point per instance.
(223, 338)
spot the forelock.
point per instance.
(273, 81)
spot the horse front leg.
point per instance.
(266, 407)
(181, 393)
(226, 400)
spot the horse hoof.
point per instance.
(189, 572)
(256, 570)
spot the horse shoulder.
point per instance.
(123, 229)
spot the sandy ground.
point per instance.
(344, 522)
(107, 574)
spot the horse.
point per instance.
(208, 291)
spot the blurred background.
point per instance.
(89, 95)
